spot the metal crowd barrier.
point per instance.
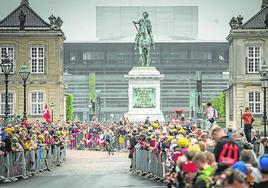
(148, 163)
(24, 164)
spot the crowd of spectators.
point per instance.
(198, 158)
(25, 137)
(194, 157)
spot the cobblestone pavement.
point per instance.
(88, 169)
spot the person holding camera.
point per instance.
(248, 120)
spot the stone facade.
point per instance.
(144, 78)
(41, 43)
(248, 49)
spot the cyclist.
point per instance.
(109, 141)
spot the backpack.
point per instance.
(229, 153)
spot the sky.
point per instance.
(79, 16)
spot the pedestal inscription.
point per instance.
(144, 94)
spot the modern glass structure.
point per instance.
(174, 22)
(179, 61)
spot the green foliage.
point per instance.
(92, 83)
(219, 104)
(70, 107)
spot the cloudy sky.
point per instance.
(79, 16)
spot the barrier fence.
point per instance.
(24, 164)
(149, 163)
(96, 141)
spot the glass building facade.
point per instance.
(178, 61)
(178, 22)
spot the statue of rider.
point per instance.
(144, 24)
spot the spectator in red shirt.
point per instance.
(248, 120)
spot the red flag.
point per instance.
(46, 114)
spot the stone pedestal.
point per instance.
(144, 94)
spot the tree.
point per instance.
(218, 102)
(70, 107)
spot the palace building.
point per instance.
(248, 48)
(28, 39)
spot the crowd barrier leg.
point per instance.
(28, 162)
(58, 156)
(133, 161)
(64, 152)
(23, 165)
(3, 174)
(136, 160)
(142, 160)
(5, 170)
(33, 168)
(125, 142)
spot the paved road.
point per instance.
(88, 169)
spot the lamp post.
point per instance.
(241, 113)
(6, 67)
(264, 84)
(52, 105)
(98, 105)
(24, 74)
(98, 100)
(89, 109)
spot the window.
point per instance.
(200, 55)
(11, 103)
(9, 50)
(253, 59)
(37, 103)
(95, 55)
(38, 59)
(254, 102)
(87, 56)
(72, 57)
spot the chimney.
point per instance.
(25, 2)
(264, 3)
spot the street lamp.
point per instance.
(52, 105)
(264, 84)
(241, 113)
(98, 105)
(24, 74)
(89, 107)
(98, 100)
(6, 67)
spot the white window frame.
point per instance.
(13, 104)
(10, 54)
(39, 60)
(37, 102)
(254, 59)
(255, 104)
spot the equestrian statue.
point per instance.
(144, 39)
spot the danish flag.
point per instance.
(46, 114)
